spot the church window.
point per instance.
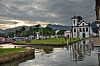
(74, 30)
(74, 21)
(83, 24)
(83, 29)
(80, 30)
(86, 29)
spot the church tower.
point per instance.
(75, 24)
(75, 21)
(80, 28)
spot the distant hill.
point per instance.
(59, 27)
(3, 31)
(17, 28)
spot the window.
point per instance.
(83, 29)
(86, 29)
(80, 30)
(74, 30)
(83, 24)
(74, 22)
(67, 36)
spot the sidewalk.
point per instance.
(96, 41)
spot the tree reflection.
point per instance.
(48, 50)
(99, 55)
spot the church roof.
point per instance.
(82, 22)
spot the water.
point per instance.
(78, 54)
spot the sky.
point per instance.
(15, 13)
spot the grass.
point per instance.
(55, 41)
(8, 51)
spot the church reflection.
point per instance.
(79, 50)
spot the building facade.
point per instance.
(80, 28)
(68, 34)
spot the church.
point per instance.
(80, 28)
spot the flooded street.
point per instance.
(78, 54)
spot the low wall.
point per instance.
(15, 56)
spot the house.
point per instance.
(68, 34)
(80, 28)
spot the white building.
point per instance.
(80, 28)
(68, 34)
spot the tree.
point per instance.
(48, 31)
(79, 18)
(22, 29)
(23, 34)
(30, 31)
(61, 32)
(38, 25)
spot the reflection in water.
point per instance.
(47, 50)
(99, 56)
(81, 54)
(16, 62)
(80, 50)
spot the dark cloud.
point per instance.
(52, 11)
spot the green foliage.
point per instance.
(47, 50)
(61, 32)
(48, 31)
(55, 41)
(38, 25)
(23, 34)
(7, 51)
(31, 31)
(28, 41)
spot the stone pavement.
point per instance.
(96, 41)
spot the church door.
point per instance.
(83, 35)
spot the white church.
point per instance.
(80, 28)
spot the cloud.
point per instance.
(48, 11)
(14, 23)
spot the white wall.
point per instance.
(76, 21)
(66, 33)
(75, 33)
(80, 34)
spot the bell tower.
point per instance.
(75, 21)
